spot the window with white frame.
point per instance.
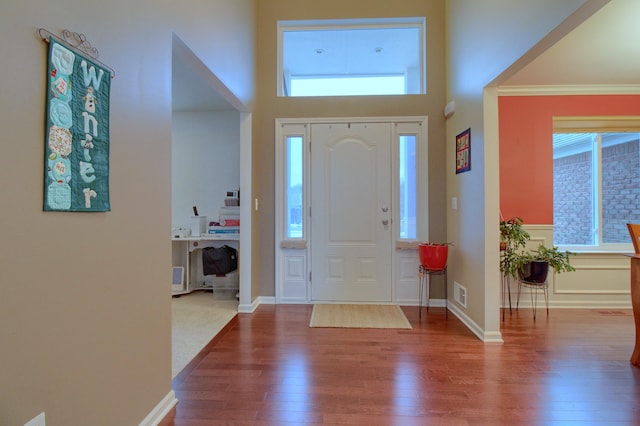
(596, 186)
(294, 187)
(351, 57)
(407, 192)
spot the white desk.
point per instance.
(186, 252)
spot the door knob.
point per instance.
(385, 209)
(385, 222)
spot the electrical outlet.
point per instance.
(38, 420)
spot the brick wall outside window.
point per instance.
(620, 190)
(572, 195)
(573, 191)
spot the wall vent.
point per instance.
(459, 294)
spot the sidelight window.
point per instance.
(294, 187)
(407, 186)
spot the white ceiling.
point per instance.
(604, 50)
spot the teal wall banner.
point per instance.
(76, 175)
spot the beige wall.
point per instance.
(270, 107)
(85, 315)
(482, 42)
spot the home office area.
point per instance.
(206, 204)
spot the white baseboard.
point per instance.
(570, 304)
(587, 305)
(161, 410)
(247, 309)
(292, 301)
(438, 303)
(493, 337)
(260, 300)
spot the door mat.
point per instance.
(358, 316)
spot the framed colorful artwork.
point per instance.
(463, 151)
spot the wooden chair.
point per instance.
(634, 232)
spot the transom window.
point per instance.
(351, 57)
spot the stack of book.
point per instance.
(223, 230)
(229, 216)
(228, 221)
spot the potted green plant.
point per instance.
(554, 258)
(533, 266)
(511, 261)
(512, 234)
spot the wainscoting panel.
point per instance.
(595, 274)
(406, 277)
(294, 276)
(601, 280)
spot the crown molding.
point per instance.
(574, 89)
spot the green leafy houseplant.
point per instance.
(515, 258)
(514, 262)
(558, 260)
(512, 234)
(511, 261)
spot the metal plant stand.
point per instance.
(534, 287)
(425, 280)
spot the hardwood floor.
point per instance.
(270, 368)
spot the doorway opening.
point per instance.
(211, 133)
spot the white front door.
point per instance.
(351, 212)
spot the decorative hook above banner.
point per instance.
(77, 42)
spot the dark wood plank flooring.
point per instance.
(270, 368)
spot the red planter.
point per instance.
(433, 256)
